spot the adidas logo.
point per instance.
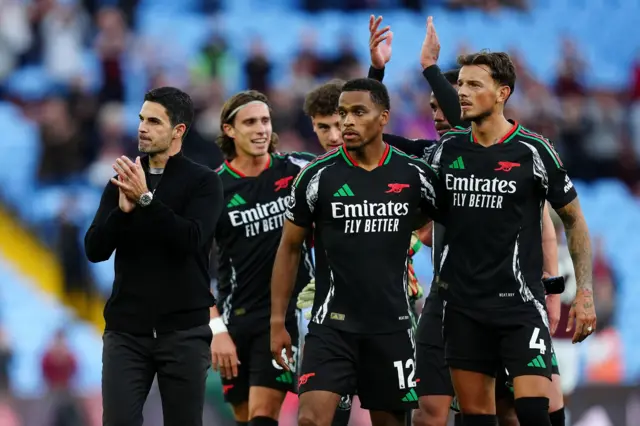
(285, 377)
(345, 191)
(537, 362)
(554, 360)
(412, 396)
(236, 201)
(458, 164)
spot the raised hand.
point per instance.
(430, 46)
(379, 43)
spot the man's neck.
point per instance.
(249, 165)
(159, 160)
(490, 130)
(368, 157)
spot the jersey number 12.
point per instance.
(409, 365)
(536, 343)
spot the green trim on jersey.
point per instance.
(526, 133)
(225, 168)
(319, 160)
(420, 160)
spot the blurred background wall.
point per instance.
(72, 77)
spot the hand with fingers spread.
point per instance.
(430, 46)
(131, 179)
(281, 343)
(224, 357)
(583, 313)
(379, 43)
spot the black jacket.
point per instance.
(162, 250)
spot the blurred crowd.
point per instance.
(82, 126)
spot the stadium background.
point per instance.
(72, 77)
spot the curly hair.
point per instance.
(323, 100)
(228, 115)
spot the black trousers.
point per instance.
(181, 360)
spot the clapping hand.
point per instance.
(430, 46)
(379, 43)
(131, 179)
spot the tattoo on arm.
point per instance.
(579, 245)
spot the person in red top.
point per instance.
(59, 364)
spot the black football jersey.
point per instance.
(248, 235)
(362, 223)
(492, 209)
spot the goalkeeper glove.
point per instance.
(305, 298)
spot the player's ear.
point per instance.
(384, 117)
(229, 130)
(503, 94)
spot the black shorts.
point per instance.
(516, 338)
(257, 366)
(380, 367)
(431, 369)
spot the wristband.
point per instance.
(217, 326)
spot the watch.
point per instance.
(145, 199)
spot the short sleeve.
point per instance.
(559, 188)
(302, 199)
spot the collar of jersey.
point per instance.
(237, 173)
(386, 156)
(507, 136)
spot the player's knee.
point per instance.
(533, 411)
(556, 398)
(309, 418)
(432, 412)
(241, 412)
(269, 409)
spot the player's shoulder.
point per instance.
(535, 141)
(226, 173)
(457, 133)
(417, 163)
(295, 158)
(317, 164)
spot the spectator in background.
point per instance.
(59, 368)
(110, 44)
(6, 356)
(61, 142)
(15, 34)
(258, 68)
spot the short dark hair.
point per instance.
(377, 90)
(323, 100)
(452, 75)
(228, 115)
(178, 104)
(503, 71)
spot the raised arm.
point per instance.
(444, 92)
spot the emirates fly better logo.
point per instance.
(366, 216)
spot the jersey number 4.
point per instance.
(411, 367)
(536, 343)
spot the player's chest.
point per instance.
(255, 206)
(487, 178)
(376, 201)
